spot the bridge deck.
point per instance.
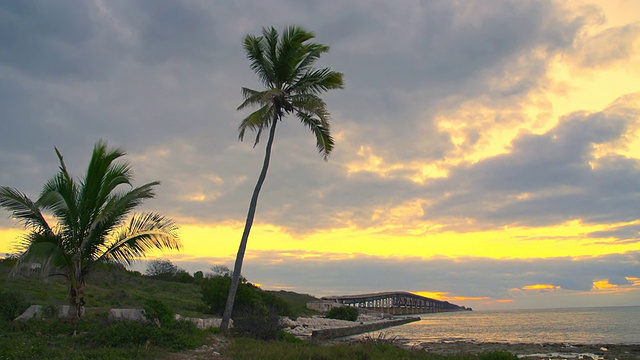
(395, 302)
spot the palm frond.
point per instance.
(43, 255)
(324, 140)
(317, 81)
(253, 98)
(144, 232)
(312, 105)
(102, 177)
(23, 209)
(256, 121)
(308, 55)
(112, 216)
(259, 63)
(290, 52)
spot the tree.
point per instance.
(284, 65)
(92, 222)
(161, 269)
(220, 270)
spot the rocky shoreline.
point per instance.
(537, 351)
(304, 328)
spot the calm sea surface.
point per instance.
(610, 325)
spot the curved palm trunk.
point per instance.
(235, 281)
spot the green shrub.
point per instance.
(182, 276)
(214, 293)
(280, 306)
(262, 323)
(12, 305)
(343, 313)
(216, 289)
(158, 312)
(129, 334)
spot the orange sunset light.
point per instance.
(541, 287)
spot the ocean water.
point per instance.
(606, 325)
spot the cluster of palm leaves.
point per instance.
(92, 222)
(285, 67)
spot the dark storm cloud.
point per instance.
(52, 39)
(547, 179)
(162, 79)
(166, 30)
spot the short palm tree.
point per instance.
(284, 65)
(92, 222)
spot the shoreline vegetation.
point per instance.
(313, 337)
(95, 337)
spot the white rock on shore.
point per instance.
(303, 327)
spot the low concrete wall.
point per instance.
(359, 329)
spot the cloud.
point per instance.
(622, 234)
(476, 279)
(606, 48)
(546, 179)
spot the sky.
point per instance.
(487, 152)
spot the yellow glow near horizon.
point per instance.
(221, 241)
(445, 296)
(541, 287)
(438, 295)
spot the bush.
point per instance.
(159, 312)
(12, 305)
(275, 303)
(216, 289)
(127, 334)
(343, 313)
(262, 323)
(183, 276)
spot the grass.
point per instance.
(108, 288)
(297, 302)
(94, 337)
(243, 348)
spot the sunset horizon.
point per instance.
(486, 153)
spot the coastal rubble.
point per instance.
(304, 326)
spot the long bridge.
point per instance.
(394, 303)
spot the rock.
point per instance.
(32, 312)
(202, 324)
(127, 314)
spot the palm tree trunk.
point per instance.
(76, 297)
(237, 269)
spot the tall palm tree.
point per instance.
(91, 222)
(292, 85)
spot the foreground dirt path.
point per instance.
(215, 349)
